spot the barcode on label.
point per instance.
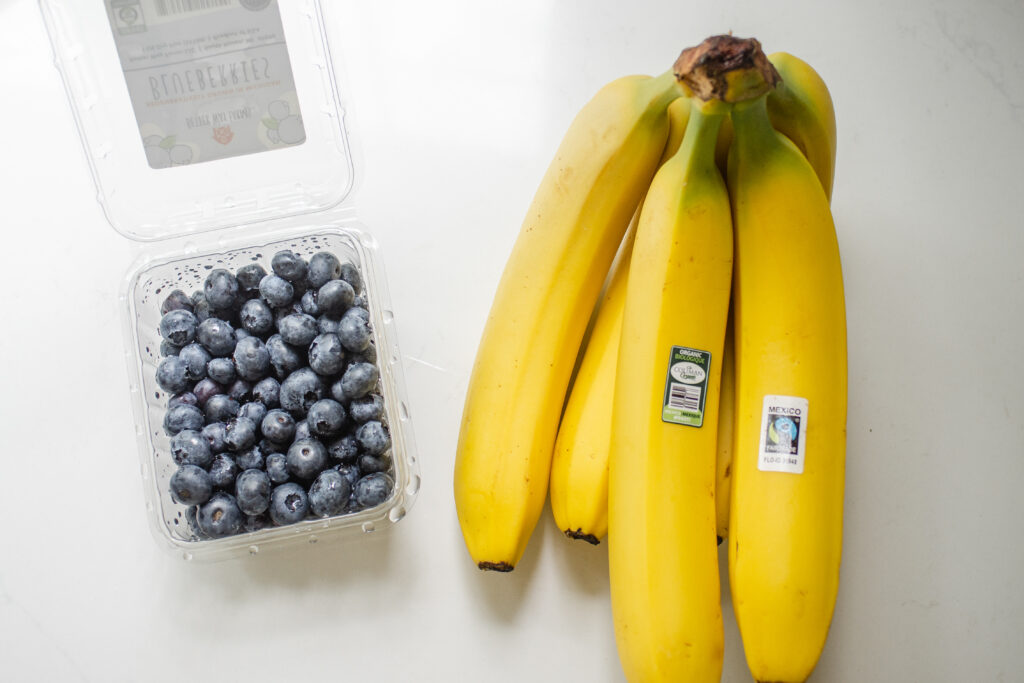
(684, 397)
(166, 7)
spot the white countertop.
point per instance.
(459, 107)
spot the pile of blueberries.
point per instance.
(275, 414)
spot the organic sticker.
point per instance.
(686, 386)
(208, 79)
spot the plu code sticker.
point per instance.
(783, 434)
(208, 79)
(686, 386)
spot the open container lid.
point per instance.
(198, 115)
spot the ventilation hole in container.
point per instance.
(403, 411)
(387, 316)
(149, 506)
(313, 539)
(176, 520)
(414, 485)
(394, 359)
(396, 513)
(134, 388)
(253, 549)
(368, 527)
(187, 556)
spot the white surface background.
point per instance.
(459, 108)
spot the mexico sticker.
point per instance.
(783, 434)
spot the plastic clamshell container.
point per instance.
(225, 213)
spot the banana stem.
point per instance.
(698, 146)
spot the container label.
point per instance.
(686, 385)
(783, 434)
(208, 79)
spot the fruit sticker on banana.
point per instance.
(686, 386)
(783, 434)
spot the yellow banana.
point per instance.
(801, 109)
(547, 291)
(579, 468)
(785, 527)
(663, 562)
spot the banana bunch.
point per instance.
(710, 394)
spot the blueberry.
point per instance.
(240, 434)
(278, 426)
(217, 336)
(328, 324)
(360, 302)
(176, 301)
(168, 349)
(256, 522)
(350, 471)
(252, 459)
(277, 468)
(221, 371)
(240, 334)
(373, 463)
(195, 358)
(205, 389)
(367, 355)
(276, 291)
(350, 274)
(359, 380)
(256, 317)
(373, 489)
(286, 359)
(306, 459)
(335, 297)
(267, 391)
(252, 360)
(220, 408)
(252, 490)
(298, 329)
(309, 304)
(373, 437)
(329, 494)
(254, 410)
(214, 434)
(240, 390)
(187, 398)
(300, 390)
(289, 265)
(354, 332)
(288, 504)
(221, 288)
(345, 449)
(220, 516)
(182, 417)
(200, 306)
(190, 447)
(326, 354)
(323, 266)
(326, 418)
(223, 470)
(178, 327)
(360, 312)
(249, 277)
(172, 375)
(366, 408)
(191, 485)
(302, 431)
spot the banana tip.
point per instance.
(495, 566)
(580, 536)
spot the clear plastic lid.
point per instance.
(198, 115)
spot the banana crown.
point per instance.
(726, 69)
